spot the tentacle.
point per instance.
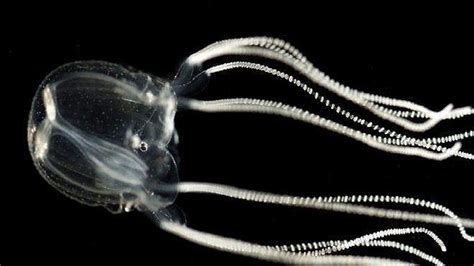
(275, 108)
(288, 50)
(339, 110)
(280, 51)
(272, 71)
(391, 232)
(277, 45)
(347, 93)
(395, 214)
(369, 237)
(418, 110)
(328, 247)
(253, 250)
(328, 203)
(428, 143)
(405, 248)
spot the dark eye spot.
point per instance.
(143, 146)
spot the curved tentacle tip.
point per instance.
(451, 151)
(435, 118)
(444, 112)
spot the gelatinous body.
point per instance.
(101, 134)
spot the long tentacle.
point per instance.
(335, 87)
(277, 45)
(341, 111)
(278, 50)
(328, 247)
(275, 108)
(327, 203)
(373, 236)
(240, 247)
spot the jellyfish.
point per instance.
(104, 135)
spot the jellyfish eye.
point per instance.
(143, 146)
(98, 130)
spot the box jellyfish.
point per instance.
(104, 135)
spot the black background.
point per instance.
(423, 54)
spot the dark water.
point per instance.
(416, 53)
